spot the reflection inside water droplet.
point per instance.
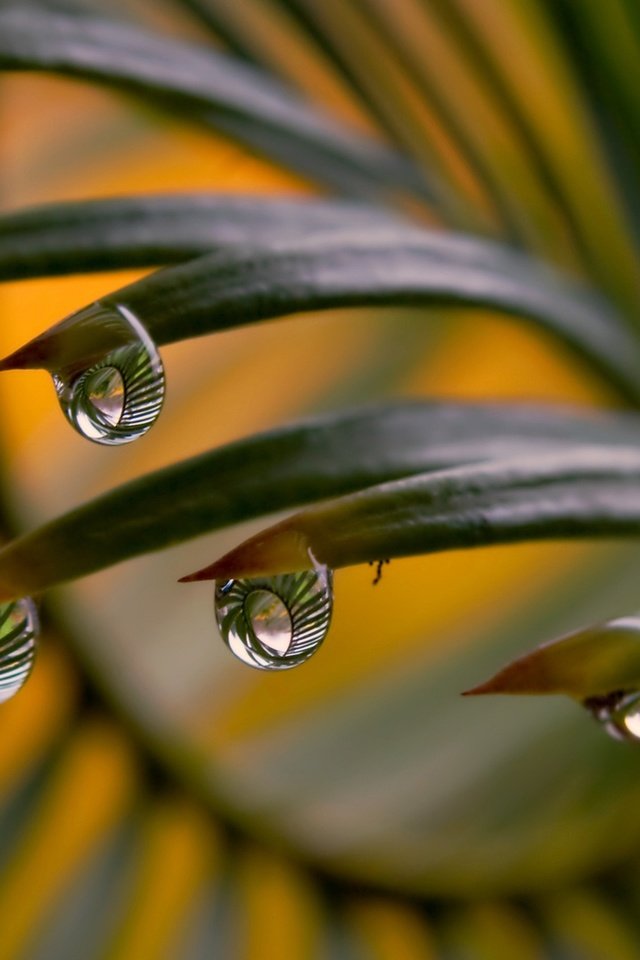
(275, 623)
(105, 391)
(270, 620)
(18, 632)
(119, 395)
(618, 713)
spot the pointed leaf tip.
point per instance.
(588, 663)
(276, 550)
(481, 689)
(204, 574)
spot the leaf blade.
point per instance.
(153, 230)
(285, 468)
(585, 492)
(214, 88)
(375, 264)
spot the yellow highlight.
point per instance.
(83, 801)
(492, 930)
(179, 858)
(489, 357)
(37, 716)
(281, 915)
(391, 930)
(584, 921)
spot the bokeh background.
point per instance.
(157, 798)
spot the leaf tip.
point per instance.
(276, 550)
(203, 574)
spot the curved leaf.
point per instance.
(383, 266)
(288, 467)
(214, 88)
(585, 492)
(143, 231)
(369, 265)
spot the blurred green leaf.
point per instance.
(211, 87)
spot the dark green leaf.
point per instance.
(377, 265)
(382, 266)
(585, 492)
(142, 231)
(283, 468)
(212, 87)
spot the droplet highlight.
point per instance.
(18, 632)
(119, 395)
(618, 713)
(275, 623)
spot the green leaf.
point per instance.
(150, 230)
(376, 265)
(381, 266)
(291, 466)
(587, 663)
(210, 87)
(402, 266)
(602, 43)
(585, 492)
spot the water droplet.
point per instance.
(618, 713)
(275, 623)
(18, 632)
(119, 395)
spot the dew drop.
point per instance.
(275, 623)
(18, 632)
(119, 395)
(618, 713)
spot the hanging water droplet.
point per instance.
(618, 713)
(118, 396)
(275, 623)
(18, 632)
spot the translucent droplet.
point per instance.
(275, 623)
(18, 632)
(119, 395)
(618, 713)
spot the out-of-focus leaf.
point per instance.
(177, 864)
(605, 51)
(490, 931)
(141, 231)
(360, 266)
(280, 911)
(96, 777)
(390, 930)
(587, 663)
(81, 917)
(345, 35)
(588, 492)
(589, 925)
(550, 116)
(311, 461)
(211, 87)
